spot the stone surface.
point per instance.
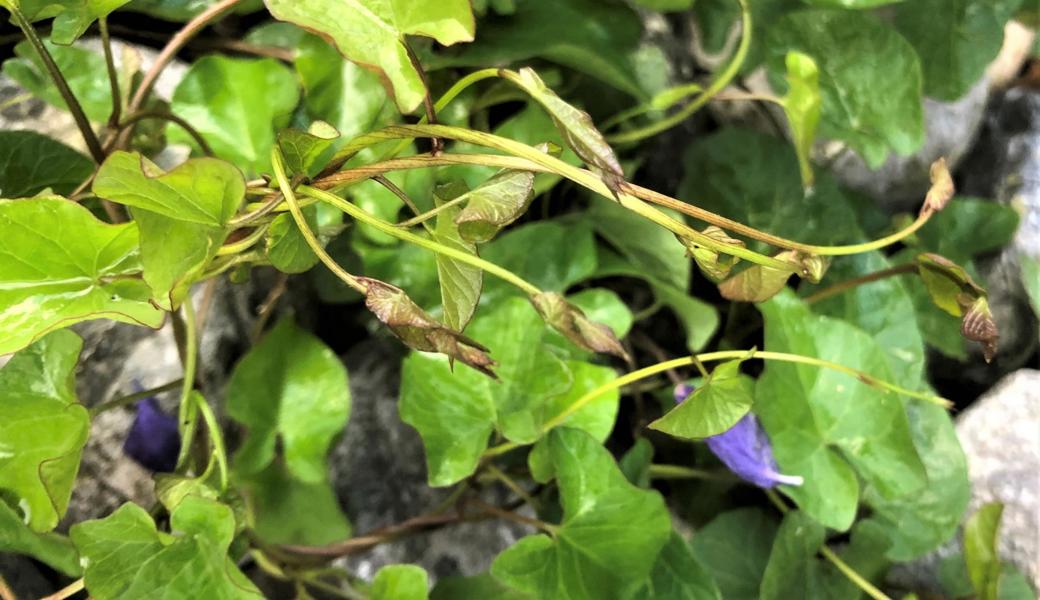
(379, 472)
(1001, 438)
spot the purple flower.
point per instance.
(745, 449)
(153, 441)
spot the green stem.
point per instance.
(395, 231)
(658, 471)
(82, 122)
(244, 243)
(113, 76)
(187, 411)
(507, 481)
(716, 86)
(133, 398)
(426, 216)
(580, 176)
(168, 116)
(278, 165)
(216, 437)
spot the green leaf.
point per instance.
(74, 18)
(850, 4)
(918, 523)
(80, 68)
(42, 429)
(595, 38)
(126, 557)
(236, 105)
(980, 550)
(50, 548)
(552, 255)
(288, 510)
(735, 548)
(872, 109)
(666, 5)
(290, 390)
(968, 227)
(372, 33)
(597, 417)
(205, 191)
(759, 283)
(714, 407)
(792, 571)
(635, 463)
(460, 282)
(827, 426)
(1031, 279)
(802, 106)
(31, 163)
(646, 245)
(400, 582)
(61, 266)
(678, 575)
(477, 587)
(306, 152)
(575, 125)
(287, 249)
(497, 202)
(611, 533)
(453, 412)
(956, 40)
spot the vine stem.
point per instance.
(70, 590)
(861, 582)
(135, 397)
(422, 218)
(216, 437)
(278, 166)
(82, 122)
(187, 411)
(849, 284)
(113, 77)
(660, 471)
(244, 243)
(406, 236)
(716, 86)
(168, 116)
(661, 367)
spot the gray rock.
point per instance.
(379, 472)
(1000, 434)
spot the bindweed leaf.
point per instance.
(400, 582)
(31, 163)
(576, 127)
(610, 536)
(713, 407)
(650, 248)
(61, 266)
(306, 152)
(419, 330)
(569, 320)
(495, 204)
(715, 265)
(735, 548)
(759, 283)
(802, 107)
(372, 33)
(287, 510)
(71, 17)
(80, 68)
(679, 575)
(291, 391)
(43, 428)
(460, 283)
(177, 566)
(477, 587)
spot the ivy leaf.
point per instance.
(714, 407)
(611, 533)
(980, 550)
(499, 201)
(31, 163)
(50, 548)
(80, 68)
(400, 582)
(460, 283)
(372, 33)
(288, 510)
(306, 152)
(289, 390)
(819, 420)
(576, 127)
(678, 575)
(872, 109)
(595, 418)
(61, 266)
(177, 566)
(802, 106)
(212, 97)
(477, 587)
(918, 523)
(596, 38)
(42, 429)
(182, 215)
(956, 40)
(735, 548)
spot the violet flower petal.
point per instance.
(746, 450)
(153, 440)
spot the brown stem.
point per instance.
(136, 396)
(267, 307)
(113, 76)
(431, 112)
(167, 116)
(382, 535)
(849, 284)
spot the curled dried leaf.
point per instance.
(570, 321)
(759, 283)
(978, 326)
(496, 203)
(576, 127)
(715, 265)
(814, 267)
(420, 331)
(942, 187)
(953, 290)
